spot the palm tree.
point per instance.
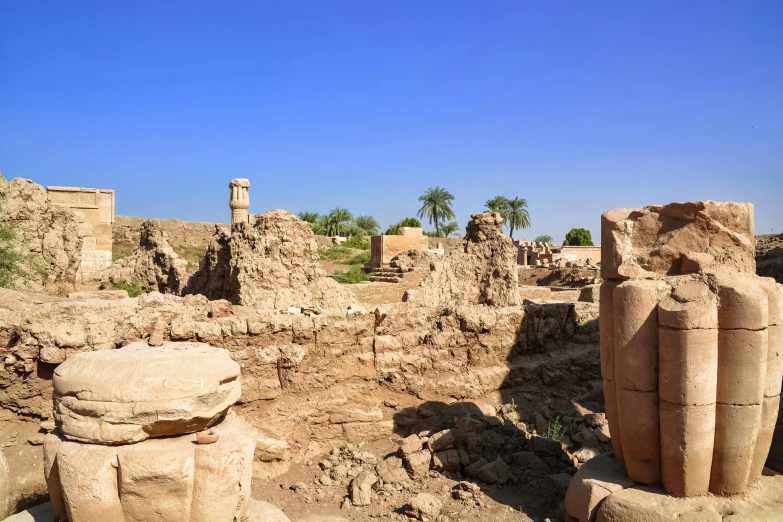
(337, 221)
(369, 224)
(310, 217)
(545, 238)
(517, 215)
(449, 228)
(497, 204)
(436, 205)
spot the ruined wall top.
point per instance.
(485, 226)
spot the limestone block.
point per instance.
(769, 415)
(691, 305)
(687, 366)
(774, 377)
(258, 511)
(610, 400)
(742, 366)
(52, 443)
(774, 293)
(736, 431)
(636, 334)
(742, 303)
(223, 472)
(40, 513)
(156, 480)
(638, 419)
(596, 480)
(687, 440)
(606, 328)
(137, 392)
(88, 476)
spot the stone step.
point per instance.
(399, 273)
(384, 279)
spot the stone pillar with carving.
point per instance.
(240, 200)
(691, 359)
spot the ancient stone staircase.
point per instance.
(385, 274)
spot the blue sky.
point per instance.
(578, 107)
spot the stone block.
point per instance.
(736, 431)
(769, 416)
(742, 366)
(687, 441)
(639, 431)
(88, 475)
(774, 376)
(742, 303)
(606, 328)
(610, 401)
(596, 480)
(774, 293)
(446, 460)
(691, 305)
(687, 366)
(52, 443)
(636, 334)
(137, 392)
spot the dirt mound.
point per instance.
(272, 263)
(769, 256)
(485, 272)
(154, 263)
(50, 233)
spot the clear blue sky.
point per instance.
(578, 107)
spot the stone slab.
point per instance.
(137, 392)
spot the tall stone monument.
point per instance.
(240, 200)
(692, 364)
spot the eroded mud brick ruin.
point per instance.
(258, 389)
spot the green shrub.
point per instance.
(357, 242)
(134, 290)
(407, 222)
(354, 274)
(360, 258)
(578, 237)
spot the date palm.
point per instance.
(517, 215)
(310, 217)
(369, 224)
(336, 223)
(498, 204)
(436, 206)
(449, 229)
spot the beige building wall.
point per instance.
(94, 209)
(581, 253)
(384, 248)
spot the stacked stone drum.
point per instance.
(145, 433)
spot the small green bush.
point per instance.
(556, 429)
(407, 222)
(354, 274)
(134, 290)
(357, 242)
(578, 237)
(16, 264)
(360, 259)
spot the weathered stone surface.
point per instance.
(495, 472)
(137, 392)
(594, 481)
(418, 464)
(636, 243)
(271, 263)
(651, 504)
(258, 511)
(40, 513)
(361, 488)
(50, 233)
(424, 507)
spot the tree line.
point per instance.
(437, 209)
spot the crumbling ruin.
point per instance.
(484, 273)
(692, 362)
(271, 263)
(154, 263)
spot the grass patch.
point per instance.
(354, 274)
(343, 255)
(121, 250)
(134, 289)
(193, 254)
(357, 242)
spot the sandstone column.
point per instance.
(240, 200)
